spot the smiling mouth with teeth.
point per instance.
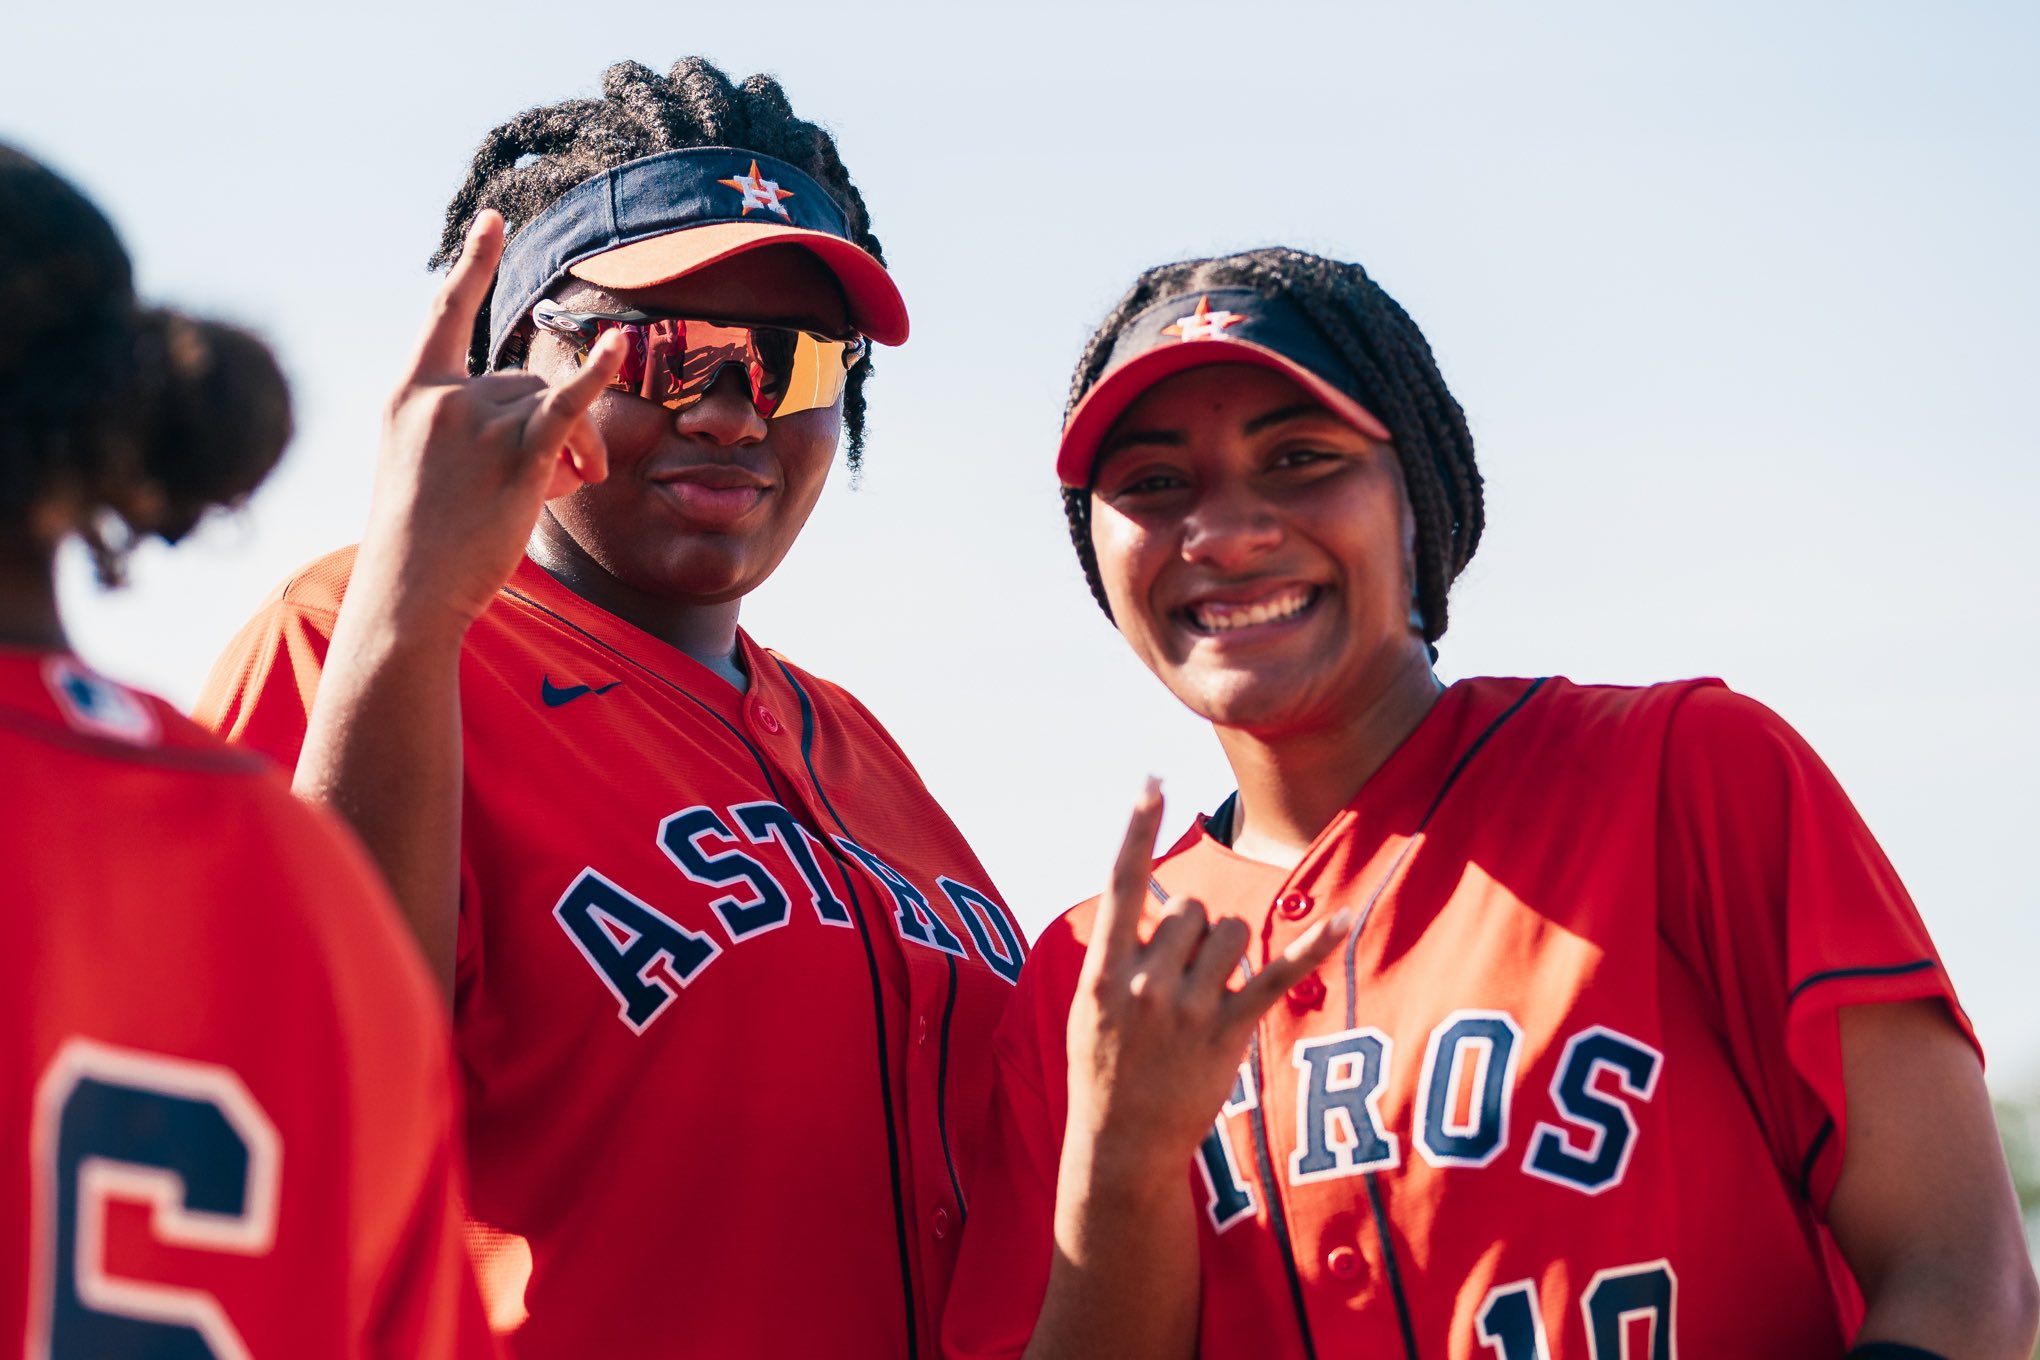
(1215, 616)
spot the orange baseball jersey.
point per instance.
(726, 982)
(229, 1117)
(1573, 1088)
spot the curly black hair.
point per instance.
(1391, 364)
(524, 166)
(117, 421)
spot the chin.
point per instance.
(699, 578)
(1253, 703)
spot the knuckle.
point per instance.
(1229, 933)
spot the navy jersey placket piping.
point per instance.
(892, 1132)
(857, 908)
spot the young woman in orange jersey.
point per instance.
(1510, 1020)
(229, 1117)
(724, 975)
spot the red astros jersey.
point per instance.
(1573, 1089)
(726, 982)
(229, 1104)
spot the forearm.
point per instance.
(1124, 1283)
(383, 750)
(1924, 1211)
(1959, 1304)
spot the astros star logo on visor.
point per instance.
(1202, 324)
(759, 193)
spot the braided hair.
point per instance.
(1393, 367)
(527, 164)
(117, 421)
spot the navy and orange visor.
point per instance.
(1209, 326)
(657, 218)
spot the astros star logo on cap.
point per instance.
(1202, 324)
(759, 193)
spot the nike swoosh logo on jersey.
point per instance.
(555, 695)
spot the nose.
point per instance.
(724, 415)
(1229, 527)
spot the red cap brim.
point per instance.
(1104, 404)
(876, 307)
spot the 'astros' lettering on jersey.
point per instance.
(726, 982)
(1573, 1082)
(229, 1101)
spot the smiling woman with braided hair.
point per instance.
(1510, 1020)
(723, 973)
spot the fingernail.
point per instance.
(1341, 922)
(1151, 790)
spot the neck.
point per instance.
(1293, 782)
(706, 632)
(28, 600)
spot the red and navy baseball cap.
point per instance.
(657, 218)
(1209, 326)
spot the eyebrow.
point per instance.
(1124, 439)
(1283, 414)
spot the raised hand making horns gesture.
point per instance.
(1156, 1035)
(467, 463)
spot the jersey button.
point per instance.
(765, 719)
(1308, 994)
(941, 1223)
(1343, 1262)
(1294, 905)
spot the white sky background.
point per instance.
(1740, 299)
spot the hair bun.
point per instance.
(214, 421)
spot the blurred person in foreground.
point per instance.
(229, 1124)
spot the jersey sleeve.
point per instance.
(260, 690)
(259, 693)
(427, 1301)
(1778, 899)
(1002, 1274)
(417, 1276)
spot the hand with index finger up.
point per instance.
(468, 462)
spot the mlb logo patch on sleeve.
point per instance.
(96, 706)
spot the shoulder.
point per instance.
(1593, 741)
(75, 725)
(1695, 715)
(260, 687)
(318, 587)
(1588, 711)
(1730, 752)
(1717, 720)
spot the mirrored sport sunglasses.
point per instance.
(675, 360)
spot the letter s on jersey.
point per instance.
(1600, 1163)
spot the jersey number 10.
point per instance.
(1512, 1328)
